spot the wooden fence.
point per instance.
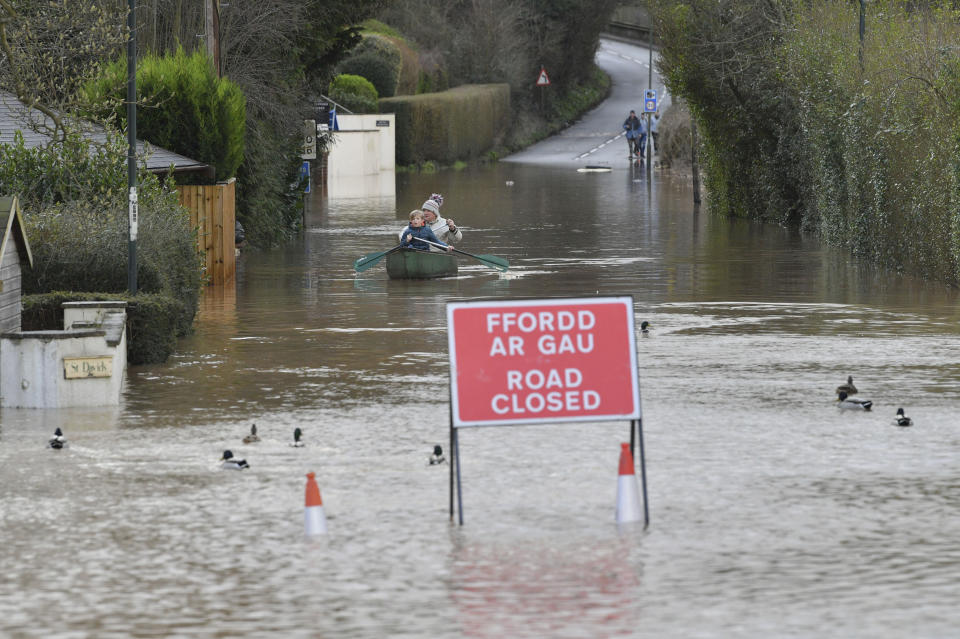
(213, 213)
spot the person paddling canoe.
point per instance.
(445, 229)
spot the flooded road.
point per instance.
(772, 512)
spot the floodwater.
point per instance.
(773, 513)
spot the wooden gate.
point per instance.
(213, 214)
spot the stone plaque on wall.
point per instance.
(83, 367)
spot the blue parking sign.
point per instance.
(305, 175)
(650, 101)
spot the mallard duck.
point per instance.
(252, 437)
(847, 388)
(437, 456)
(645, 327)
(229, 462)
(843, 401)
(902, 419)
(297, 442)
(58, 441)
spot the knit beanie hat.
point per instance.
(431, 205)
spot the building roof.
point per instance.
(14, 116)
(11, 226)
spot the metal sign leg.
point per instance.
(456, 456)
(643, 474)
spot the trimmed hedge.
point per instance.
(452, 125)
(152, 320)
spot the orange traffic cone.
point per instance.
(628, 494)
(314, 521)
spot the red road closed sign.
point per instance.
(550, 360)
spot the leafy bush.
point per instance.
(354, 92)
(151, 320)
(74, 200)
(797, 129)
(378, 60)
(187, 109)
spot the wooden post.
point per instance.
(694, 162)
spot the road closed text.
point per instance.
(535, 391)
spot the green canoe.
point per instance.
(410, 264)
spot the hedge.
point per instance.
(451, 125)
(152, 326)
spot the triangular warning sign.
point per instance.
(543, 80)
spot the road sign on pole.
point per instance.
(543, 80)
(650, 101)
(305, 174)
(309, 140)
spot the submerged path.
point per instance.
(598, 137)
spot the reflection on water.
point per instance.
(772, 512)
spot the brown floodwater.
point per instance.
(773, 513)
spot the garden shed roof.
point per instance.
(12, 229)
(15, 116)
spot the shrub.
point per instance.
(354, 92)
(74, 199)
(378, 60)
(151, 320)
(187, 109)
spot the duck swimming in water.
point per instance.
(297, 442)
(843, 401)
(437, 456)
(229, 462)
(58, 441)
(252, 437)
(902, 419)
(847, 388)
(645, 328)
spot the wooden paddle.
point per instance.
(490, 260)
(367, 261)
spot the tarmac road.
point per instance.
(598, 138)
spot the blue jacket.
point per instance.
(423, 233)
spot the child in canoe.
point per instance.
(414, 234)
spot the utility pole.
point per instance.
(863, 26)
(211, 22)
(133, 212)
(650, 87)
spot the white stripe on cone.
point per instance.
(314, 521)
(628, 492)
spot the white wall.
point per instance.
(364, 145)
(33, 361)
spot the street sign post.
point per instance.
(305, 174)
(541, 361)
(543, 79)
(650, 101)
(309, 140)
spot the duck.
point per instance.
(297, 442)
(58, 441)
(229, 462)
(844, 401)
(645, 328)
(847, 388)
(252, 437)
(902, 419)
(437, 456)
